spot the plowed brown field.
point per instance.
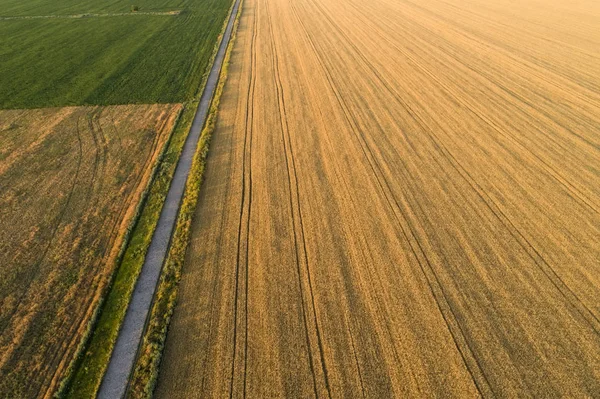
(70, 180)
(402, 199)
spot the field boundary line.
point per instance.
(245, 209)
(115, 381)
(91, 15)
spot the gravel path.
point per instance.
(116, 378)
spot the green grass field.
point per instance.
(110, 60)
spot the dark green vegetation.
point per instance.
(121, 59)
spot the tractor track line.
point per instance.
(246, 185)
(291, 169)
(497, 212)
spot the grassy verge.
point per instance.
(85, 373)
(147, 364)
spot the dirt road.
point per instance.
(402, 199)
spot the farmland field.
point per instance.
(401, 199)
(90, 92)
(70, 181)
(121, 58)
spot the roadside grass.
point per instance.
(89, 366)
(102, 61)
(147, 364)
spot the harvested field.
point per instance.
(401, 199)
(70, 181)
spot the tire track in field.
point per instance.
(548, 68)
(350, 124)
(378, 174)
(60, 356)
(56, 226)
(213, 296)
(569, 295)
(92, 198)
(555, 174)
(61, 216)
(99, 161)
(244, 223)
(535, 255)
(454, 328)
(510, 92)
(381, 308)
(148, 160)
(294, 192)
(529, 33)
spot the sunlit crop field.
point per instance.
(71, 180)
(402, 199)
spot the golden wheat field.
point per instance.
(70, 180)
(402, 199)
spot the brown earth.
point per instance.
(70, 180)
(401, 199)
